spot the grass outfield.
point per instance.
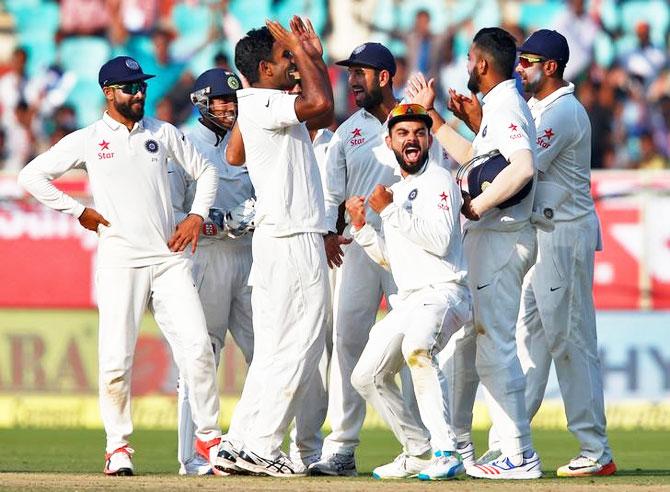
(48, 459)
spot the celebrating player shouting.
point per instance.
(420, 244)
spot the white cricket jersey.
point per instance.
(127, 171)
(358, 159)
(421, 241)
(507, 125)
(563, 152)
(321, 143)
(281, 163)
(234, 185)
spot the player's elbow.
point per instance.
(524, 167)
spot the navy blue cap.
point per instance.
(372, 55)
(121, 69)
(483, 175)
(551, 45)
(218, 82)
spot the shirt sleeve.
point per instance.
(335, 180)
(373, 243)
(555, 132)
(279, 111)
(179, 185)
(37, 176)
(429, 226)
(198, 167)
(510, 132)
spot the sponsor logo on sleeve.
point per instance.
(544, 139)
(514, 131)
(443, 204)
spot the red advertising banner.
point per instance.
(48, 258)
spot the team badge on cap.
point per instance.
(151, 146)
(358, 49)
(233, 83)
(132, 64)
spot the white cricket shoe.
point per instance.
(467, 452)
(489, 456)
(506, 468)
(445, 466)
(196, 466)
(119, 462)
(334, 465)
(404, 466)
(307, 461)
(281, 466)
(212, 452)
(581, 466)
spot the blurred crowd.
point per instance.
(50, 53)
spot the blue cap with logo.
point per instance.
(217, 82)
(372, 55)
(121, 69)
(551, 45)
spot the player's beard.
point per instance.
(474, 81)
(126, 110)
(372, 99)
(413, 168)
(532, 84)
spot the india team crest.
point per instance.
(132, 64)
(151, 146)
(233, 83)
(412, 194)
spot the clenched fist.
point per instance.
(380, 198)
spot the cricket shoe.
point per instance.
(404, 466)
(334, 465)
(445, 466)
(505, 468)
(467, 452)
(212, 452)
(489, 456)
(281, 466)
(119, 462)
(581, 466)
(307, 461)
(196, 466)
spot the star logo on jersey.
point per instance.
(548, 133)
(444, 201)
(356, 137)
(514, 131)
(513, 127)
(543, 140)
(105, 151)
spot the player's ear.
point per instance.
(387, 139)
(265, 68)
(384, 78)
(549, 68)
(109, 93)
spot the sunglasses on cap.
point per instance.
(131, 88)
(526, 61)
(407, 109)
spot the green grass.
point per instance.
(642, 456)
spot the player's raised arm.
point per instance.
(316, 99)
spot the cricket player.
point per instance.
(420, 243)
(500, 243)
(290, 298)
(357, 160)
(140, 262)
(557, 316)
(222, 263)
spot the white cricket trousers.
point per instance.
(414, 332)
(360, 284)
(306, 436)
(290, 304)
(221, 275)
(497, 264)
(167, 289)
(557, 321)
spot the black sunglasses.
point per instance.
(131, 88)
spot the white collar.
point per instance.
(501, 87)
(115, 125)
(562, 91)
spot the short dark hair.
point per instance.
(253, 48)
(501, 48)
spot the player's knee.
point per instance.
(361, 380)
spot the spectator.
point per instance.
(13, 85)
(646, 60)
(650, 157)
(580, 29)
(21, 139)
(83, 18)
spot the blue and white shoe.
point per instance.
(196, 466)
(445, 466)
(509, 468)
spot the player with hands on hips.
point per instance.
(420, 243)
(500, 243)
(140, 264)
(222, 262)
(289, 332)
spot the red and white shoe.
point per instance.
(119, 462)
(213, 452)
(505, 468)
(581, 466)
